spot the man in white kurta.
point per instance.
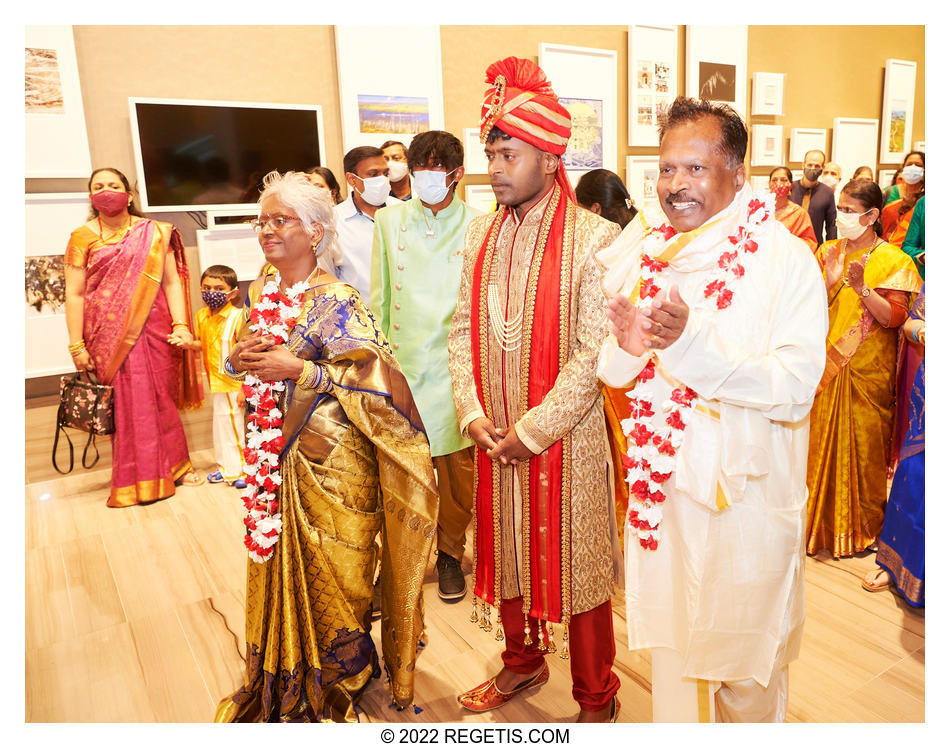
(720, 600)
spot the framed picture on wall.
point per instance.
(50, 218)
(55, 135)
(759, 182)
(235, 245)
(585, 80)
(885, 177)
(854, 143)
(897, 111)
(768, 94)
(380, 101)
(480, 196)
(716, 64)
(767, 145)
(804, 139)
(475, 161)
(643, 172)
(652, 75)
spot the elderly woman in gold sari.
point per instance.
(870, 287)
(354, 462)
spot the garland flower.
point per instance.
(655, 430)
(275, 314)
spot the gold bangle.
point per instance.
(79, 345)
(308, 375)
(73, 353)
(179, 323)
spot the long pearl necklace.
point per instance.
(507, 332)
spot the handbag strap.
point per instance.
(91, 440)
(60, 427)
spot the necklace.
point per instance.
(117, 233)
(429, 230)
(506, 332)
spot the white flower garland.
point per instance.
(654, 434)
(275, 314)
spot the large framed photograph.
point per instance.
(804, 139)
(767, 145)
(854, 143)
(897, 111)
(381, 100)
(585, 81)
(716, 64)
(643, 172)
(768, 94)
(56, 142)
(50, 218)
(652, 73)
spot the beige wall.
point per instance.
(840, 74)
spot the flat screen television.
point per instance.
(212, 155)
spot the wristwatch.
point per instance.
(866, 292)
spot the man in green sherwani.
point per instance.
(416, 271)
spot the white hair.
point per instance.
(311, 204)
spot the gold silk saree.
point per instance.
(356, 463)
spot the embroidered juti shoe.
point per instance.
(488, 696)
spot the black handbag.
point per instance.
(87, 406)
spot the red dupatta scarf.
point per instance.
(546, 333)
(122, 281)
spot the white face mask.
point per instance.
(430, 185)
(913, 174)
(397, 170)
(830, 180)
(849, 225)
(375, 190)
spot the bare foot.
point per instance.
(190, 478)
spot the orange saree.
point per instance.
(796, 219)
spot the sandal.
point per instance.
(215, 477)
(876, 580)
(190, 478)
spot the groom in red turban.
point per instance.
(523, 348)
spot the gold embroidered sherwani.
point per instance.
(574, 404)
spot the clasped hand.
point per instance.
(500, 444)
(655, 327)
(265, 358)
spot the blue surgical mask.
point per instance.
(913, 174)
(430, 185)
(214, 299)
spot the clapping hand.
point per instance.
(834, 267)
(855, 275)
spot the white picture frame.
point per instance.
(235, 245)
(50, 218)
(367, 70)
(475, 161)
(804, 139)
(897, 110)
(768, 145)
(768, 94)
(641, 179)
(854, 143)
(56, 144)
(585, 78)
(716, 64)
(653, 50)
(885, 177)
(759, 182)
(480, 197)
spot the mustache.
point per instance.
(681, 197)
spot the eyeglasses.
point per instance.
(278, 222)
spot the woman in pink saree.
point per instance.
(127, 311)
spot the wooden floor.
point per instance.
(136, 615)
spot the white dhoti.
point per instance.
(228, 433)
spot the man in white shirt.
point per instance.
(718, 322)
(367, 174)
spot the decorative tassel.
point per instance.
(499, 631)
(564, 653)
(552, 647)
(486, 621)
(527, 631)
(474, 617)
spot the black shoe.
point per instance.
(451, 579)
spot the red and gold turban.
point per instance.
(521, 103)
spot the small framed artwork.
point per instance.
(767, 142)
(885, 177)
(643, 172)
(854, 143)
(235, 245)
(897, 111)
(475, 161)
(759, 182)
(716, 64)
(804, 139)
(481, 197)
(768, 93)
(651, 75)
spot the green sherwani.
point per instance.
(414, 288)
